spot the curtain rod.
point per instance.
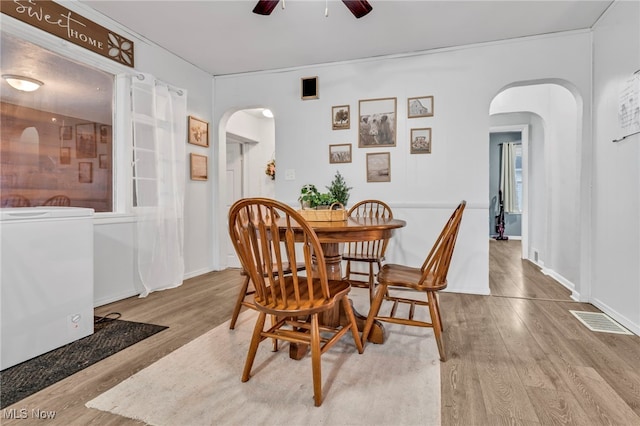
(178, 91)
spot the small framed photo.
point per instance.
(104, 133)
(66, 132)
(421, 141)
(65, 155)
(340, 117)
(379, 167)
(340, 153)
(85, 172)
(199, 169)
(198, 131)
(86, 140)
(377, 123)
(102, 161)
(421, 106)
(309, 87)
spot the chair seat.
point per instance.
(307, 305)
(405, 276)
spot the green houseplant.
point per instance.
(339, 189)
(311, 198)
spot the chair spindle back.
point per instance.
(265, 234)
(438, 261)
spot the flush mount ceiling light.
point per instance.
(267, 113)
(24, 84)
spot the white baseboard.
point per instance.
(114, 298)
(197, 272)
(626, 322)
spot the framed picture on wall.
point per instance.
(86, 140)
(340, 153)
(85, 172)
(104, 133)
(199, 169)
(309, 87)
(66, 132)
(65, 155)
(421, 106)
(198, 131)
(379, 167)
(102, 161)
(340, 117)
(377, 123)
(421, 141)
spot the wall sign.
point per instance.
(61, 22)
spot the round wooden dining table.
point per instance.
(354, 229)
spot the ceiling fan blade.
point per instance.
(265, 7)
(359, 8)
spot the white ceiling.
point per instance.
(225, 37)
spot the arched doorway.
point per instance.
(551, 112)
(250, 145)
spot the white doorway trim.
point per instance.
(524, 132)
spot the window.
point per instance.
(58, 139)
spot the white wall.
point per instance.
(616, 170)
(424, 188)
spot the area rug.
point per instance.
(109, 336)
(395, 383)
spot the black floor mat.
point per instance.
(109, 337)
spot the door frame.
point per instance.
(524, 136)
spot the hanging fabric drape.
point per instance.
(159, 129)
(508, 177)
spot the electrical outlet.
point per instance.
(290, 174)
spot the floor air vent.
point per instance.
(597, 321)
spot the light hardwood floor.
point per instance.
(515, 357)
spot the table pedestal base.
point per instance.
(337, 316)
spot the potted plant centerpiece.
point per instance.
(311, 199)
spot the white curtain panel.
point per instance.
(508, 177)
(159, 155)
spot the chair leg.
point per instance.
(241, 296)
(437, 326)
(352, 321)
(316, 366)
(372, 284)
(274, 345)
(373, 311)
(347, 275)
(253, 347)
(436, 299)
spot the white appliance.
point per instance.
(46, 279)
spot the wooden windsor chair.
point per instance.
(58, 200)
(268, 235)
(370, 253)
(430, 278)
